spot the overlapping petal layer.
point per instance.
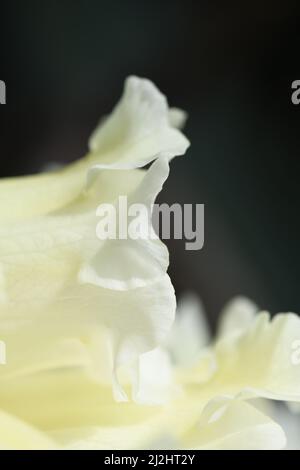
(79, 315)
(68, 299)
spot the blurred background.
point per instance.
(64, 63)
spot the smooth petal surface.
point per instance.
(236, 316)
(155, 381)
(234, 425)
(46, 303)
(15, 434)
(140, 130)
(71, 303)
(290, 422)
(259, 360)
(177, 118)
(190, 333)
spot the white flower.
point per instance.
(81, 317)
(250, 359)
(72, 307)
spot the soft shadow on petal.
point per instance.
(290, 422)
(190, 333)
(42, 297)
(227, 424)
(139, 130)
(259, 361)
(236, 316)
(130, 263)
(16, 434)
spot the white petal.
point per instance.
(138, 131)
(236, 316)
(190, 333)
(177, 118)
(294, 407)
(126, 263)
(234, 425)
(40, 263)
(259, 361)
(290, 423)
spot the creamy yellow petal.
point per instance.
(294, 407)
(30, 196)
(234, 425)
(47, 303)
(290, 423)
(139, 130)
(236, 316)
(190, 333)
(259, 361)
(177, 118)
(18, 435)
(77, 412)
(66, 398)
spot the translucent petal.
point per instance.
(234, 425)
(190, 333)
(259, 361)
(139, 130)
(236, 316)
(15, 434)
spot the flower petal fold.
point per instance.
(16, 434)
(190, 334)
(259, 361)
(227, 424)
(236, 316)
(139, 130)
